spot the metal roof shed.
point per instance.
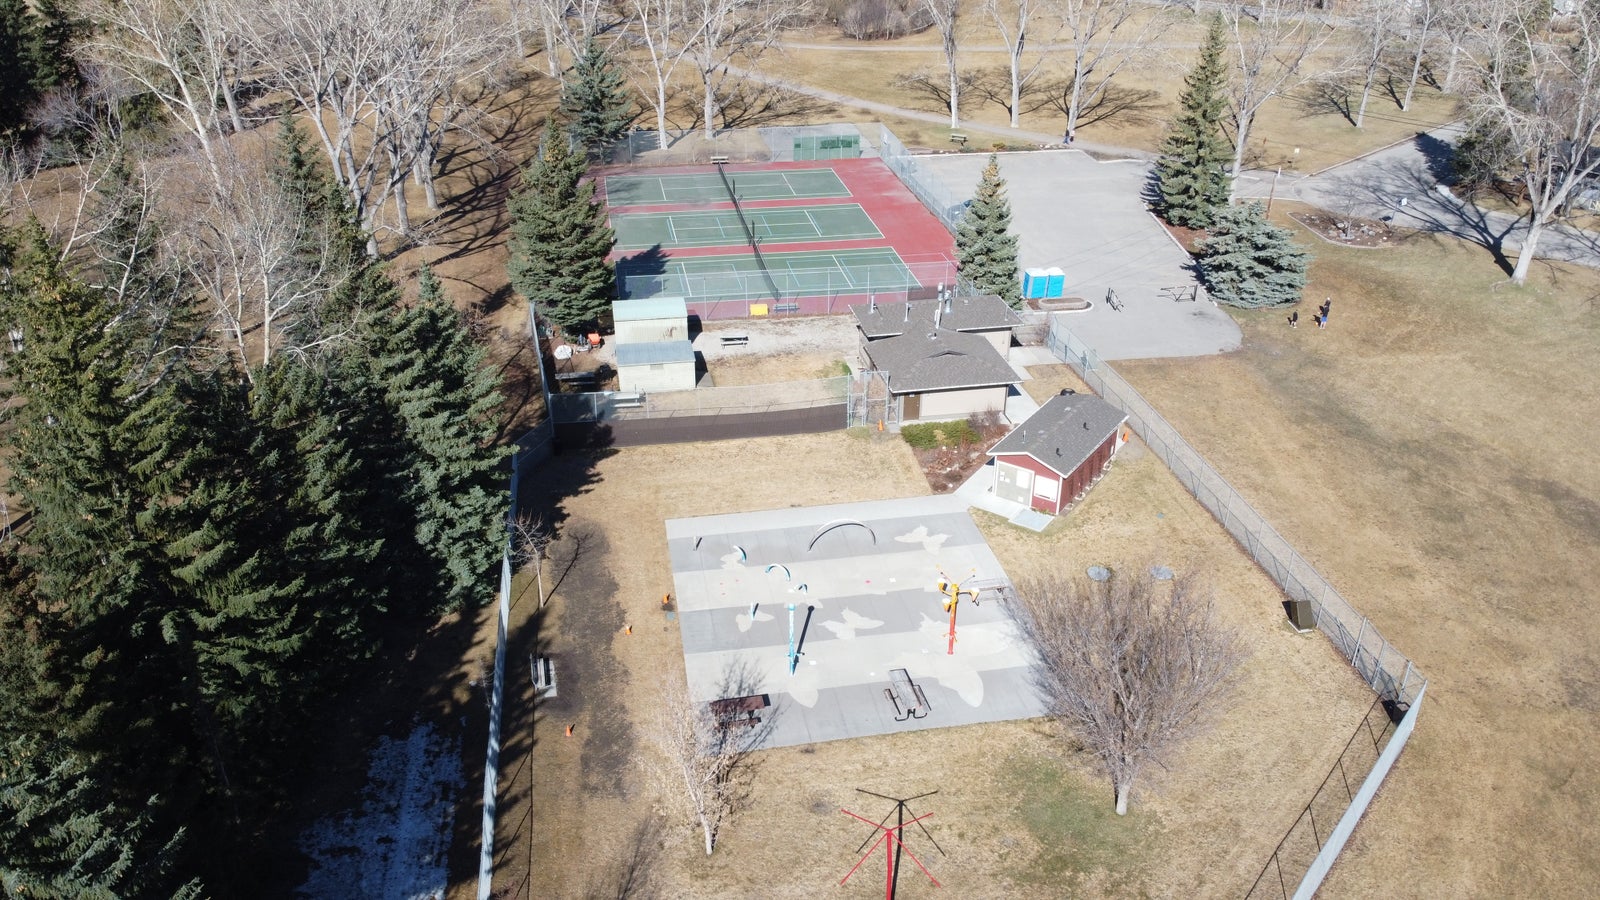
(650, 319)
(656, 366)
(1050, 461)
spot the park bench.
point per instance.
(544, 676)
(735, 340)
(739, 712)
(1112, 300)
(627, 400)
(719, 160)
(906, 695)
(785, 307)
(959, 140)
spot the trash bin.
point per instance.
(1301, 615)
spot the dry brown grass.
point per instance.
(1432, 453)
(1020, 813)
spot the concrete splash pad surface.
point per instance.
(863, 580)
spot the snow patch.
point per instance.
(398, 842)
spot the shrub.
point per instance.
(930, 435)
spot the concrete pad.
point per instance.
(862, 580)
(1088, 218)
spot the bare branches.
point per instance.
(1540, 91)
(943, 14)
(530, 543)
(1105, 35)
(1132, 667)
(1270, 41)
(703, 761)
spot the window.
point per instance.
(1046, 487)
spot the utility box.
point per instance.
(1055, 283)
(1301, 615)
(1035, 283)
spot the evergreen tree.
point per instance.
(594, 99)
(61, 838)
(17, 91)
(1250, 262)
(985, 246)
(49, 45)
(560, 239)
(1192, 173)
(443, 399)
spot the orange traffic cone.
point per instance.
(569, 731)
(628, 629)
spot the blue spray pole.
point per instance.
(794, 658)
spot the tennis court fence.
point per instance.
(778, 143)
(946, 205)
(788, 291)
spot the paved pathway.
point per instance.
(1403, 184)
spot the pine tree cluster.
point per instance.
(985, 247)
(1250, 262)
(594, 99)
(34, 56)
(210, 551)
(1192, 173)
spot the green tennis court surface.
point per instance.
(739, 277)
(801, 184)
(721, 228)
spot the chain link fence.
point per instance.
(601, 406)
(946, 205)
(1384, 668)
(779, 143)
(1317, 836)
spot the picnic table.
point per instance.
(906, 695)
(739, 712)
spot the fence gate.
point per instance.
(869, 401)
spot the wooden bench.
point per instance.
(906, 696)
(735, 340)
(627, 401)
(719, 160)
(739, 712)
(959, 140)
(785, 307)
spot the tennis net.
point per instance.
(749, 233)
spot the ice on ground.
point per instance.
(397, 844)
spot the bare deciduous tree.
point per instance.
(1132, 667)
(1378, 23)
(1014, 20)
(1104, 36)
(656, 27)
(530, 541)
(1421, 29)
(1269, 41)
(703, 762)
(1541, 91)
(944, 13)
(718, 32)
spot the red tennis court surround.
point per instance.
(908, 228)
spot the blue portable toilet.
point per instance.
(1035, 283)
(1055, 283)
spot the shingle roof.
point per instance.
(1063, 432)
(984, 313)
(939, 361)
(652, 353)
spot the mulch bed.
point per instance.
(946, 468)
(1349, 231)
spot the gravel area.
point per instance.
(802, 334)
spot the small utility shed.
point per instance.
(656, 366)
(650, 320)
(940, 374)
(1050, 461)
(986, 315)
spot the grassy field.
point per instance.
(1432, 453)
(1020, 812)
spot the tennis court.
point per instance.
(740, 276)
(796, 184)
(721, 228)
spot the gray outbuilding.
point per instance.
(656, 366)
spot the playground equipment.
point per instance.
(953, 592)
(890, 838)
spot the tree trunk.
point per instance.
(661, 112)
(1016, 84)
(1366, 94)
(710, 833)
(710, 108)
(229, 97)
(1450, 70)
(955, 91)
(1519, 274)
(1122, 799)
(1411, 86)
(1238, 154)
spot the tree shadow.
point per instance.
(1438, 155)
(1325, 97)
(651, 264)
